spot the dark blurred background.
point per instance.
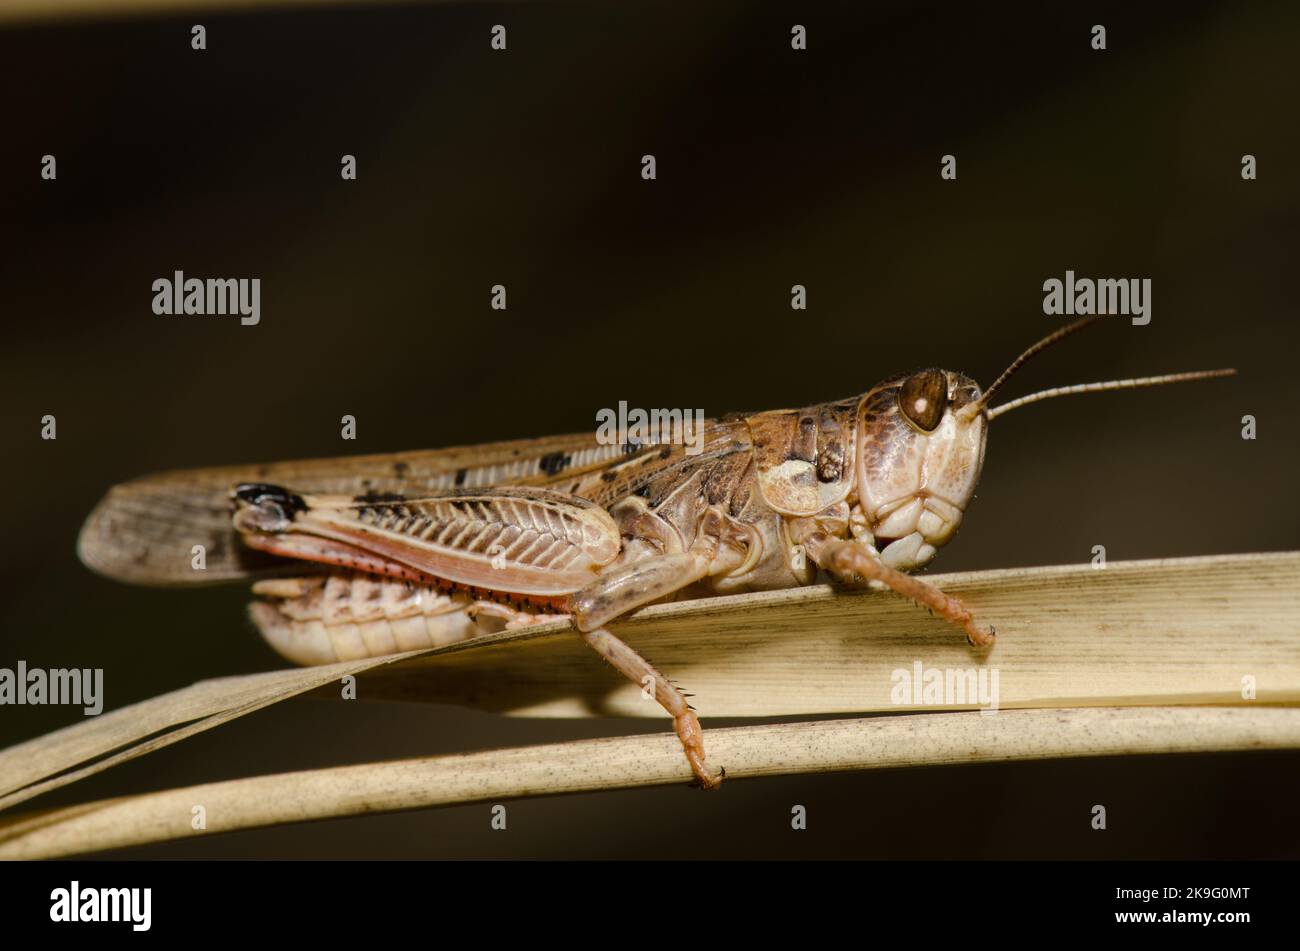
(775, 167)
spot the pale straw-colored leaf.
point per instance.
(1219, 630)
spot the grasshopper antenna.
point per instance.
(1132, 384)
(971, 409)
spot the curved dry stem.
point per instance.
(626, 762)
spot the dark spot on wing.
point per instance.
(460, 477)
(372, 498)
(554, 463)
(259, 493)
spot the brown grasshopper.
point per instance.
(423, 549)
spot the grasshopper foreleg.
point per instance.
(849, 559)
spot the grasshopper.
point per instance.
(397, 552)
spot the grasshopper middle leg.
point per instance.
(625, 590)
(639, 670)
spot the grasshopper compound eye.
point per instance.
(923, 397)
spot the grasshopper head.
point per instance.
(921, 444)
(919, 457)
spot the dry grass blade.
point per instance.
(31, 768)
(1182, 631)
(625, 762)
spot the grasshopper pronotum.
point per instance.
(420, 549)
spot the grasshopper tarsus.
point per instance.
(982, 640)
(709, 785)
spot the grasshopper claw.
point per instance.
(983, 639)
